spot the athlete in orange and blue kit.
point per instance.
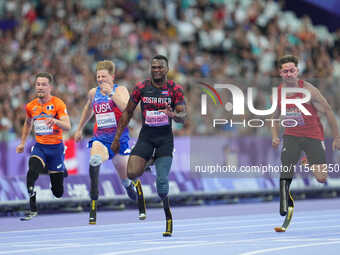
(48, 115)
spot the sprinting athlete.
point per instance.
(161, 101)
(106, 102)
(305, 134)
(49, 117)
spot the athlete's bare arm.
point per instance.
(322, 106)
(178, 115)
(275, 129)
(64, 122)
(121, 97)
(122, 124)
(25, 132)
(86, 115)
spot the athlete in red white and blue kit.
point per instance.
(106, 102)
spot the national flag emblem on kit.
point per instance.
(165, 93)
(50, 107)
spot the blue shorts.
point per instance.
(51, 154)
(124, 148)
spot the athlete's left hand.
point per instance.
(336, 143)
(168, 111)
(50, 122)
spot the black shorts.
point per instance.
(293, 146)
(158, 139)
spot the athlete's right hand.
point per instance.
(115, 146)
(106, 88)
(275, 142)
(78, 135)
(20, 148)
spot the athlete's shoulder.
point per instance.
(92, 92)
(121, 88)
(143, 84)
(305, 84)
(32, 103)
(57, 100)
(175, 85)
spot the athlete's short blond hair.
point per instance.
(106, 65)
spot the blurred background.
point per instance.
(204, 40)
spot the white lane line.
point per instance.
(142, 231)
(155, 224)
(288, 247)
(187, 243)
(227, 219)
(210, 244)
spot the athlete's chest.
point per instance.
(157, 96)
(102, 104)
(47, 110)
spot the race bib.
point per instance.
(297, 116)
(156, 118)
(106, 120)
(40, 128)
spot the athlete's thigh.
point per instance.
(39, 153)
(164, 147)
(136, 165)
(143, 148)
(316, 154)
(120, 163)
(315, 151)
(100, 149)
(55, 158)
(291, 150)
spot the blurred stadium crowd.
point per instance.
(210, 40)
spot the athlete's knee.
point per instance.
(162, 184)
(133, 173)
(163, 195)
(163, 165)
(321, 178)
(57, 184)
(95, 160)
(320, 172)
(287, 171)
(134, 170)
(35, 166)
(58, 191)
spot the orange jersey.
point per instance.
(54, 108)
